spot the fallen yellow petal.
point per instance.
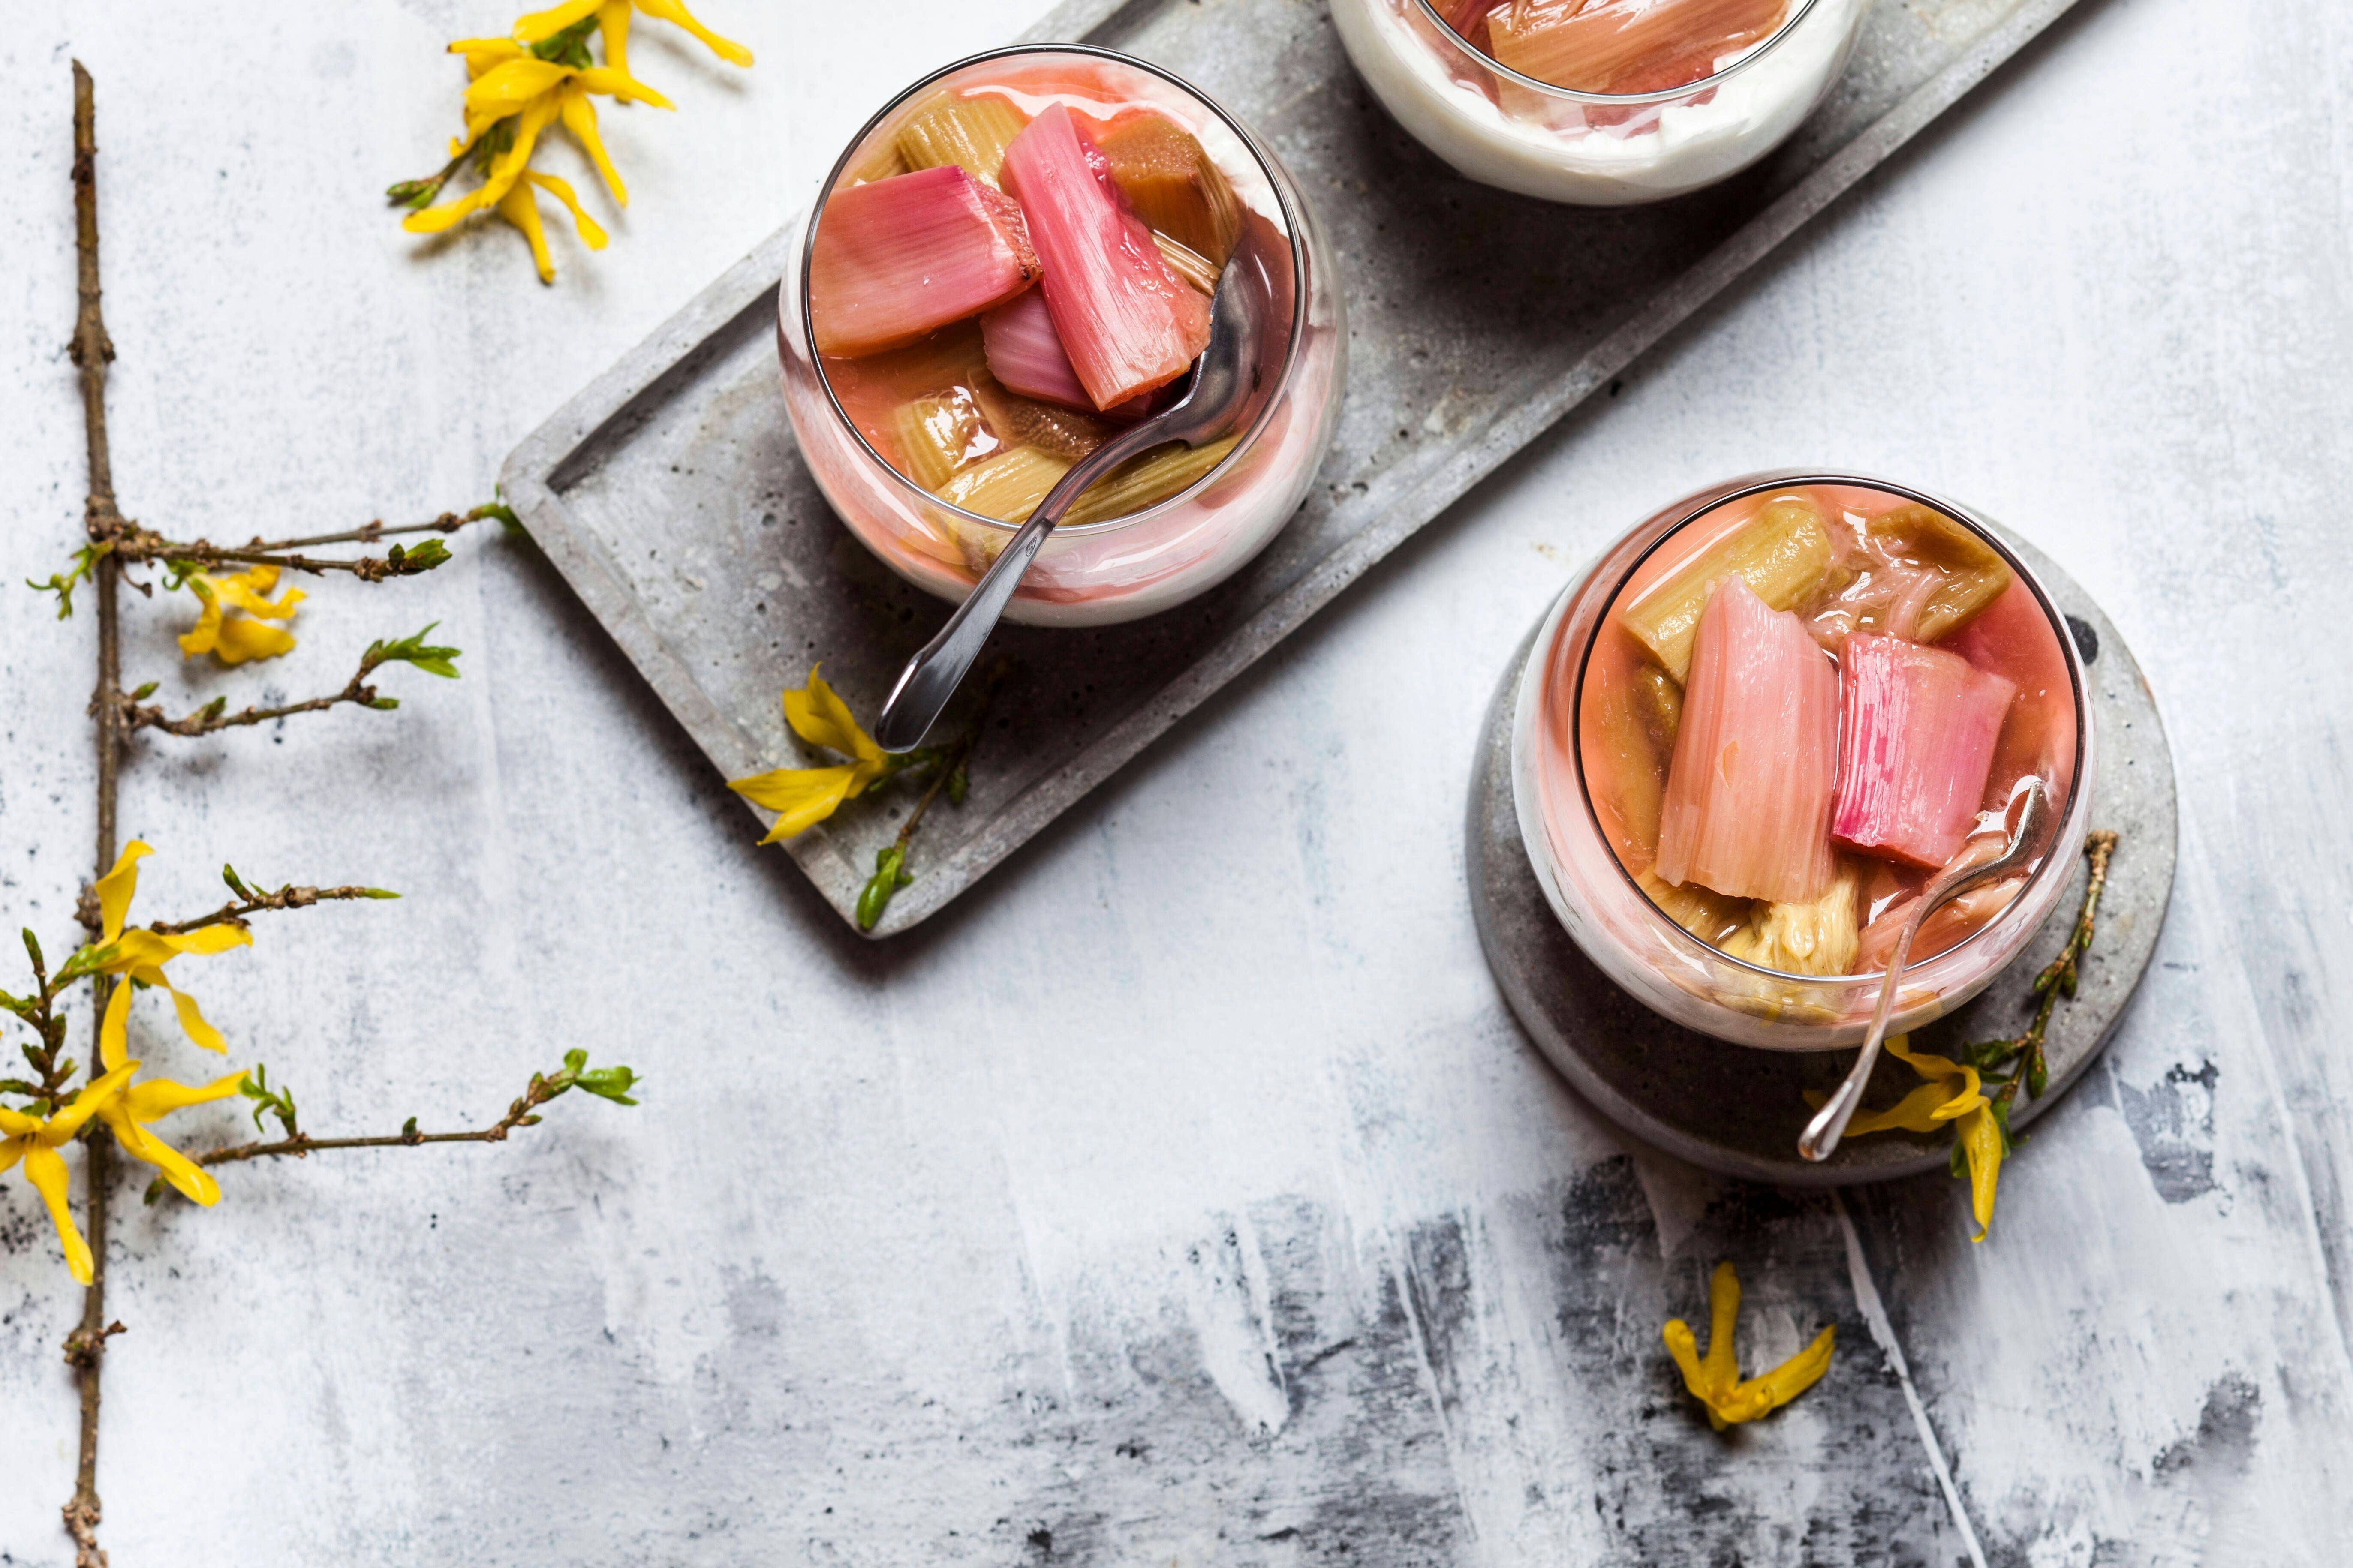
(620, 85)
(671, 11)
(46, 1171)
(579, 117)
(820, 716)
(613, 27)
(542, 25)
(1713, 1380)
(1981, 1142)
(590, 235)
(803, 796)
(483, 54)
(521, 208)
(114, 890)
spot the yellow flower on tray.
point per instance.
(1715, 1379)
(613, 25)
(235, 639)
(1951, 1094)
(803, 797)
(36, 1141)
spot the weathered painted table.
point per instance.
(1185, 1192)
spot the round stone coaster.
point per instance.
(1738, 1110)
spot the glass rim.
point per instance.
(1271, 170)
(1741, 490)
(1663, 95)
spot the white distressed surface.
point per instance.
(1186, 1192)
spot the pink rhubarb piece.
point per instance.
(1620, 45)
(1918, 738)
(1127, 323)
(906, 256)
(1749, 793)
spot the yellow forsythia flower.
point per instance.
(233, 641)
(141, 955)
(803, 797)
(613, 27)
(1952, 1096)
(128, 1114)
(509, 81)
(36, 1141)
(1715, 1379)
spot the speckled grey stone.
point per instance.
(1738, 1110)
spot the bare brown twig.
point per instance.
(609, 1083)
(286, 897)
(211, 717)
(92, 351)
(369, 532)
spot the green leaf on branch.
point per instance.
(279, 1102)
(145, 692)
(235, 884)
(612, 1083)
(505, 515)
(891, 873)
(409, 560)
(378, 893)
(412, 650)
(61, 584)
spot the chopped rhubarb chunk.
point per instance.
(1021, 421)
(1596, 47)
(1148, 479)
(1748, 795)
(1006, 487)
(906, 256)
(1193, 267)
(1174, 186)
(1711, 917)
(969, 132)
(1127, 323)
(1782, 554)
(1817, 938)
(938, 435)
(1025, 355)
(1971, 574)
(1916, 739)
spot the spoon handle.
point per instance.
(932, 676)
(1820, 1139)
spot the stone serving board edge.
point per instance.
(670, 496)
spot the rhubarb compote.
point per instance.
(1015, 260)
(1784, 708)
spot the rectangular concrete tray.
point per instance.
(672, 498)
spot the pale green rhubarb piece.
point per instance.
(970, 132)
(1783, 555)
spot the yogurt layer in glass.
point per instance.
(1012, 260)
(1749, 735)
(1599, 102)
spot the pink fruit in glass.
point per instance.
(1747, 806)
(1127, 323)
(1025, 356)
(1596, 47)
(1916, 740)
(903, 257)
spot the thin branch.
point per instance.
(302, 1144)
(136, 543)
(369, 532)
(211, 717)
(92, 349)
(286, 897)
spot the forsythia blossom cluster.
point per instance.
(128, 1108)
(543, 75)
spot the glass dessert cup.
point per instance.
(1109, 569)
(1594, 148)
(1575, 845)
